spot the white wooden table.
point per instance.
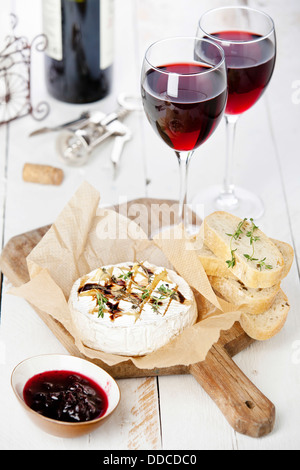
(170, 413)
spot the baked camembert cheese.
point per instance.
(131, 309)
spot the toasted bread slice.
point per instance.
(256, 301)
(268, 324)
(264, 271)
(215, 266)
(288, 256)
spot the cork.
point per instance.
(42, 174)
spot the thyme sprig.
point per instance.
(101, 301)
(231, 262)
(165, 294)
(235, 236)
(126, 276)
(165, 291)
(146, 293)
(156, 303)
(262, 264)
(252, 239)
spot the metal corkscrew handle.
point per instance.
(75, 145)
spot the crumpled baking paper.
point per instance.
(85, 237)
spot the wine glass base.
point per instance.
(242, 203)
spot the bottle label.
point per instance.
(52, 26)
(106, 33)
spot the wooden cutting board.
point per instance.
(246, 409)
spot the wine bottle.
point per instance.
(79, 54)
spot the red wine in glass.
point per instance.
(185, 104)
(250, 66)
(248, 39)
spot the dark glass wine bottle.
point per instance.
(79, 55)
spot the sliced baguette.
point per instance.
(288, 256)
(266, 325)
(256, 301)
(218, 225)
(215, 266)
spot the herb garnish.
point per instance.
(253, 238)
(102, 301)
(165, 294)
(231, 262)
(156, 302)
(234, 236)
(146, 293)
(126, 276)
(262, 264)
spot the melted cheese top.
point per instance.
(128, 293)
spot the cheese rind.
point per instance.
(134, 332)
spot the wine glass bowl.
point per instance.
(248, 39)
(184, 93)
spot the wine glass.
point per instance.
(184, 93)
(248, 39)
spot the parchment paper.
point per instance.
(85, 237)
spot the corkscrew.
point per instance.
(79, 138)
(75, 145)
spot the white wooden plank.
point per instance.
(190, 419)
(137, 422)
(284, 109)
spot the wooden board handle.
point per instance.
(246, 409)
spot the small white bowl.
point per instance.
(38, 364)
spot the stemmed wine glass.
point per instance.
(248, 39)
(184, 93)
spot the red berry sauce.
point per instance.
(65, 396)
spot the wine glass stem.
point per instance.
(183, 160)
(228, 188)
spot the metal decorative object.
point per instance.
(15, 77)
